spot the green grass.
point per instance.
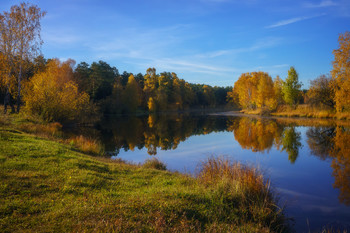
(47, 186)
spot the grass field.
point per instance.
(48, 186)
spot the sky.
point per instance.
(203, 41)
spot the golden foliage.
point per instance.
(341, 163)
(255, 89)
(341, 73)
(256, 135)
(54, 96)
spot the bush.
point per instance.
(155, 164)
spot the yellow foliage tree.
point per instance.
(341, 73)
(254, 89)
(54, 95)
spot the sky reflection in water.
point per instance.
(308, 161)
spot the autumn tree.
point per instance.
(321, 92)
(54, 95)
(341, 73)
(8, 45)
(252, 90)
(277, 86)
(291, 88)
(20, 41)
(132, 95)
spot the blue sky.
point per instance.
(203, 41)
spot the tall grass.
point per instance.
(44, 130)
(305, 110)
(243, 187)
(87, 145)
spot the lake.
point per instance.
(307, 160)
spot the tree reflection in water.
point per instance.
(260, 135)
(166, 132)
(341, 163)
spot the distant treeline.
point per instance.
(129, 93)
(59, 90)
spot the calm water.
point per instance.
(308, 161)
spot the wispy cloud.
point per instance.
(263, 43)
(292, 20)
(60, 37)
(324, 3)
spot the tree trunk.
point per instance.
(7, 101)
(19, 88)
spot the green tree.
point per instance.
(291, 88)
(101, 80)
(291, 143)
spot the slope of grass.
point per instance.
(47, 186)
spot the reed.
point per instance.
(87, 145)
(243, 187)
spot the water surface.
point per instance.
(307, 160)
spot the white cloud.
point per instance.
(292, 20)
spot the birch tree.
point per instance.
(20, 42)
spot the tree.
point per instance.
(277, 86)
(254, 90)
(101, 80)
(291, 88)
(8, 44)
(20, 40)
(291, 143)
(54, 95)
(131, 95)
(341, 73)
(321, 92)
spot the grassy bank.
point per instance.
(50, 186)
(301, 111)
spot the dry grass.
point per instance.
(87, 145)
(258, 111)
(234, 177)
(245, 188)
(43, 130)
(305, 110)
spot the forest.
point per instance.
(64, 91)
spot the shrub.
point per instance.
(155, 164)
